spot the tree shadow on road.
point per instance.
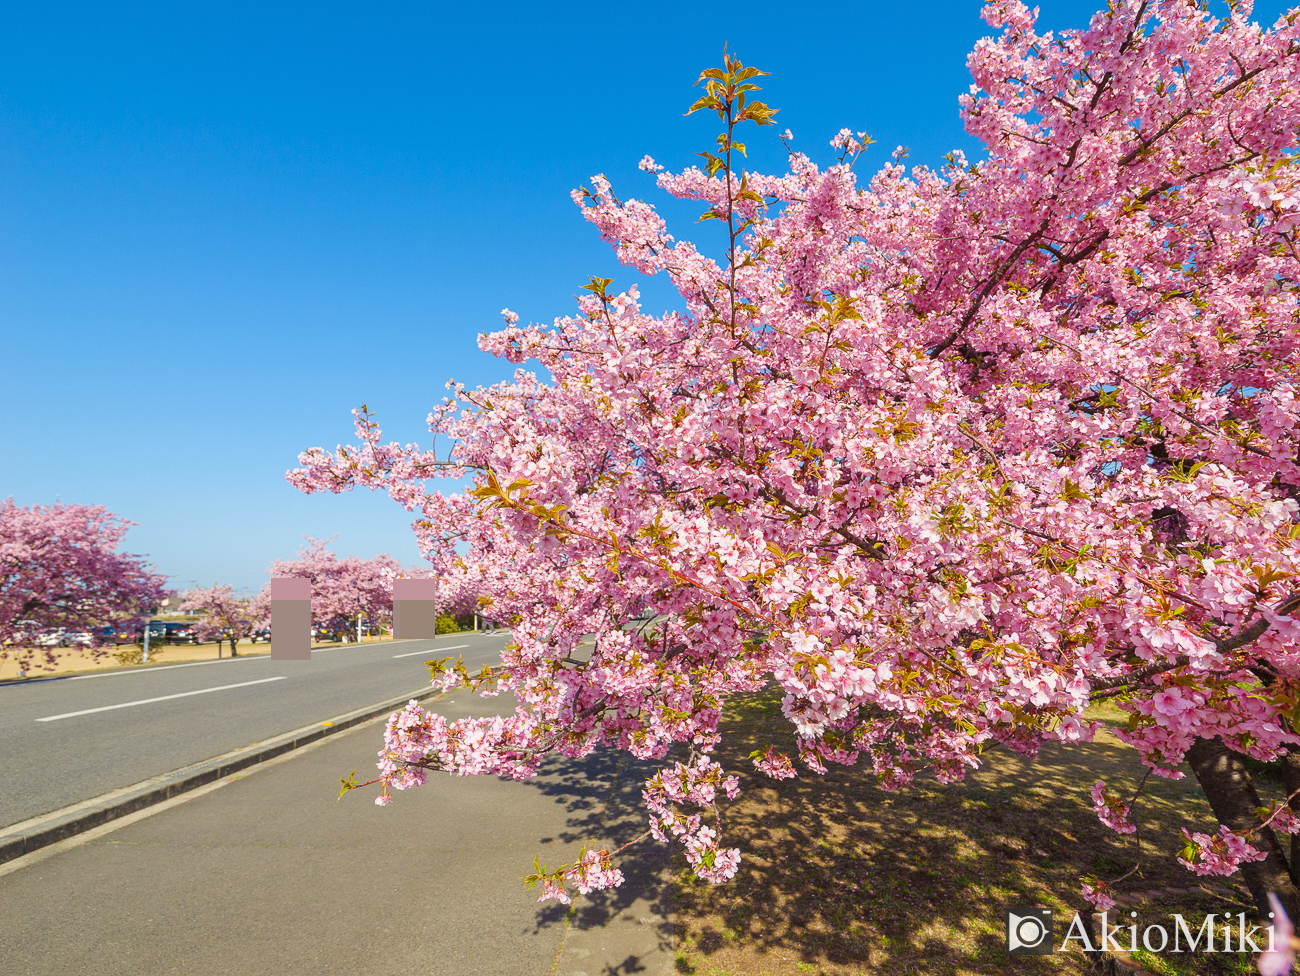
(601, 795)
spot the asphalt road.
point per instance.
(267, 873)
(70, 739)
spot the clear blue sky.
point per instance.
(222, 226)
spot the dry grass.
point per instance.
(76, 660)
(840, 877)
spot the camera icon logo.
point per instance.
(1029, 932)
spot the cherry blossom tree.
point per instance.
(462, 591)
(59, 568)
(946, 455)
(224, 615)
(346, 590)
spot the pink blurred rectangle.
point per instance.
(415, 619)
(291, 630)
(290, 588)
(415, 589)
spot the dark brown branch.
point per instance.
(1228, 644)
(1128, 158)
(994, 280)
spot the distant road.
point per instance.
(70, 739)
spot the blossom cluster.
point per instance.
(1220, 853)
(223, 615)
(1098, 894)
(1111, 810)
(343, 589)
(592, 871)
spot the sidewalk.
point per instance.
(268, 874)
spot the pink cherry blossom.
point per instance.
(344, 589)
(1097, 894)
(1218, 854)
(225, 616)
(1111, 810)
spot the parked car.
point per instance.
(262, 636)
(157, 632)
(180, 633)
(62, 637)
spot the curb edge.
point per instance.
(34, 838)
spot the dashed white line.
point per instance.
(148, 701)
(453, 647)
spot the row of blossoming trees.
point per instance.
(947, 455)
(347, 593)
(59, 570)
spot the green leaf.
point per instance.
(758, 113)
(597, 285)
(350, 783)
(705, 101)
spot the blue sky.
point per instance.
(222, 226)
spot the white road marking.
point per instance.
(224, 660)
(454, 647)
(149, 701)
(165, 667)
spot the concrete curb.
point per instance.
(50, 828)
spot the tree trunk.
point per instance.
(1291, 777)
(233, 641)
(1227, 785)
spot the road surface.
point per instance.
(267, 873)
(69, 739)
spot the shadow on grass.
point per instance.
(840, 876)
